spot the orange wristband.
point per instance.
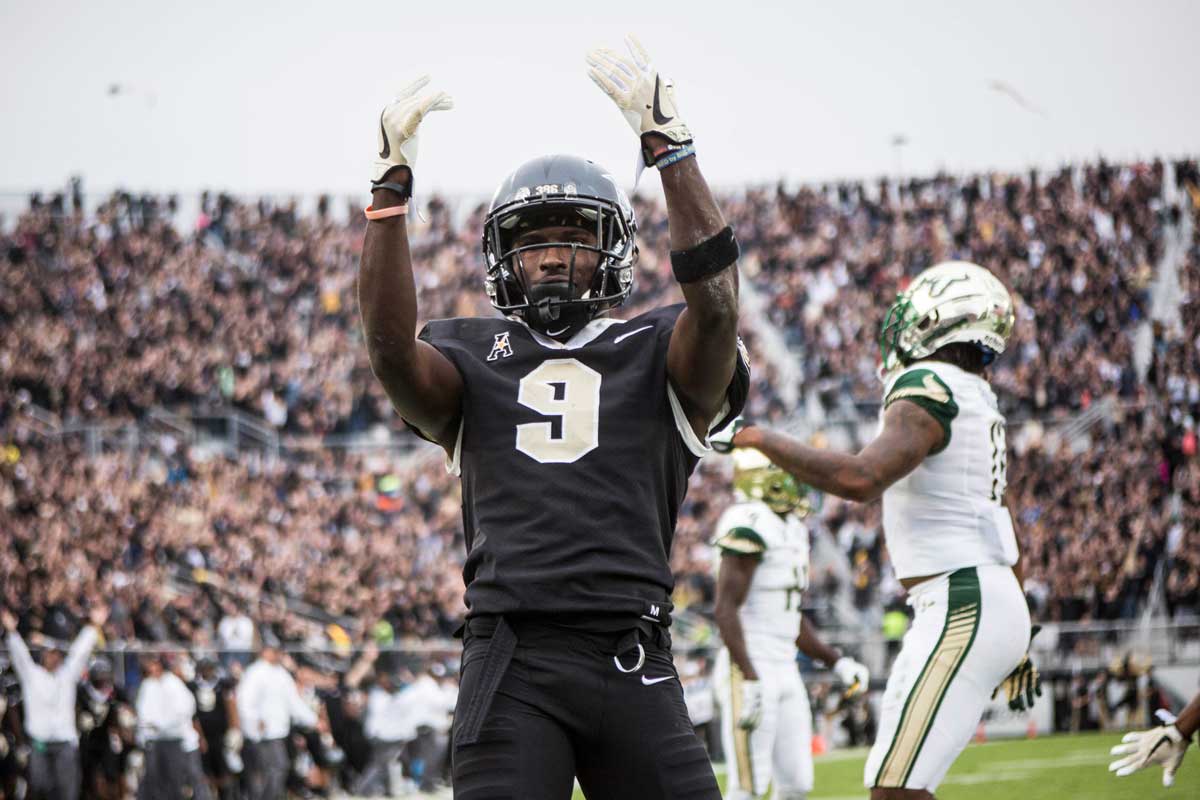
(384, 213)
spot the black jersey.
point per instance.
(211, 710)
(574, 459)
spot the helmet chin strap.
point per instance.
(550, 312)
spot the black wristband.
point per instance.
(705, 259)
(402, 189)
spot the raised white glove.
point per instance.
(853, 675)
(646, 98)
(752, 705)
(398, 126)
(1164, 745)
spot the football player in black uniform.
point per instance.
(216, 712)
(574, 434)
(104, 743)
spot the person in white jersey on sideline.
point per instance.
(940, 464)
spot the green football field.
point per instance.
(1048, 768)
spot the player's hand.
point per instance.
(722, 440)
(398, 125)
(646, 98)
(853, 675)
(232, 740)
(1023, 683)
(1164, 745)
(752, 705)
(8, 620)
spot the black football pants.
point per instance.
(560, 703)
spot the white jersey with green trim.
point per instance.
(949, 512)
(770, 615)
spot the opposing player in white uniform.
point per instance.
(762, 547)
(940, 464)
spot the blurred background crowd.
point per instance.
(348, 539)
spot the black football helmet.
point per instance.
(553, 191)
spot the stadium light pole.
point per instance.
(899, 140)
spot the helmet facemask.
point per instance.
(564, 305)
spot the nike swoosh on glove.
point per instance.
(646, 98)
(752, 705)
(398, 123)
(1164, 745)
(1023, 683)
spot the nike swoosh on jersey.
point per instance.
(651, 681)
(623, 336)
(659, 119)
(387, 146)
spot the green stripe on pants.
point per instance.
(925, 698)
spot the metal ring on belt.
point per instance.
(641, 659)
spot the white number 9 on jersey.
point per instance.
(564, 388)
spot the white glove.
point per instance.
(752, 705)
(722, 440)
(233, 740)
(1164, 745)
(853, 675)
(645, 98)
(398, 126)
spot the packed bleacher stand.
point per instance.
(136, 305)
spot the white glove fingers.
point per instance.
(436, 102)
(413, 88)
(640, 57)
(606, 67)
(618, 64)
(602, 80)
(1126, 765)
(1133, 736)
(613, 76)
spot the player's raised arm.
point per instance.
(703, 349)
(910, 433)
(423, 385)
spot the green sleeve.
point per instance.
(926, 389)
(741, 542)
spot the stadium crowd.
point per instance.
(129, 307)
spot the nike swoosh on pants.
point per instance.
(651, 681)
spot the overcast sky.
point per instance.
(256, 96)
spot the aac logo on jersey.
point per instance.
(500, 347)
